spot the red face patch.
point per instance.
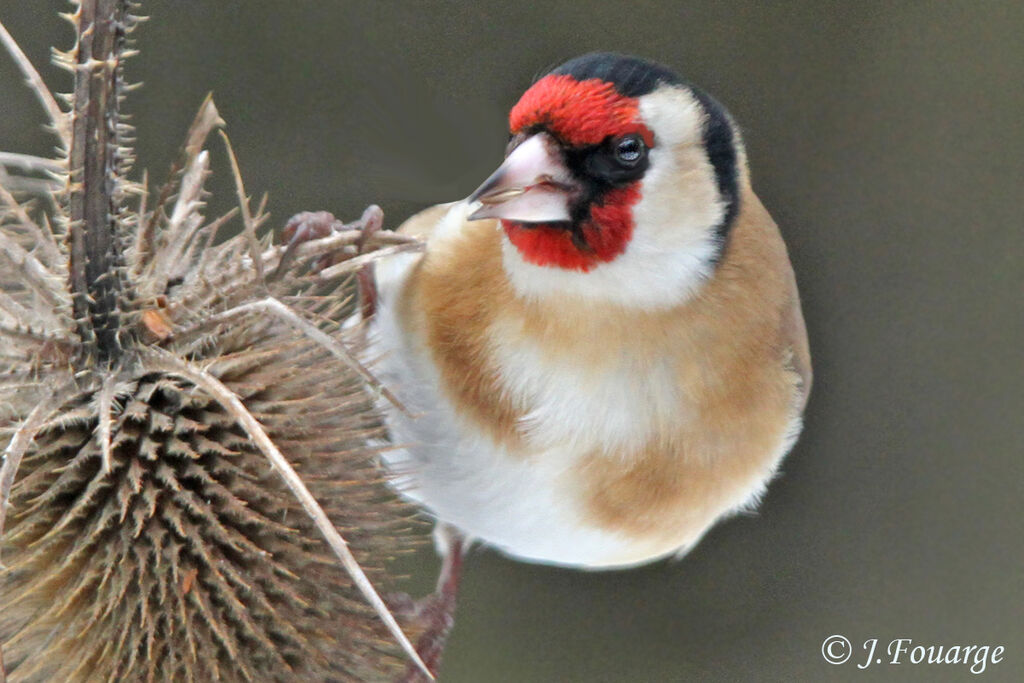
(579, 112)
(606, 232)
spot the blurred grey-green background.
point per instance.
(887, 139)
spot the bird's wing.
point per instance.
(390, 272)
(423, 223)
(794, 336)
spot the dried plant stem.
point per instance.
(35, 81)
(30, 163)
(14, 310)
(184, 222)
(32, 186)
(211, 234)
(230, 401)
(27, 336)
(243, 202)
(36, 275)
(95, 258)
(15, 450)
(282, 311)
(44, 238)
(355, 263)
(207, 118)
(345, 237)
(106, 418)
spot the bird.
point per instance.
(601, 350)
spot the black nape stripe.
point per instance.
(636, 77)
(720, 143)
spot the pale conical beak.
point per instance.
(533, 185)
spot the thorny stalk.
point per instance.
(95, 159)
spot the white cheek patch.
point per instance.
(675, 115)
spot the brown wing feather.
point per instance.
(794, 335)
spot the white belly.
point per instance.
(524, 504)
(515, 503)
(462, 478)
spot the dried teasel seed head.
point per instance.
(190, 488)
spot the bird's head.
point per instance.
(620, 182)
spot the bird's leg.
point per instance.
(372, 220)
(367, 291)
(436, 612)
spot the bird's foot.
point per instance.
(434, 614)
(307, 226)
(313, 225)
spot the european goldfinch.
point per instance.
(603, 346)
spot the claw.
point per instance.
(313, 225)
(370, 222)
(310, 225)
(305, 227)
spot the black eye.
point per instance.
(629, 150)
